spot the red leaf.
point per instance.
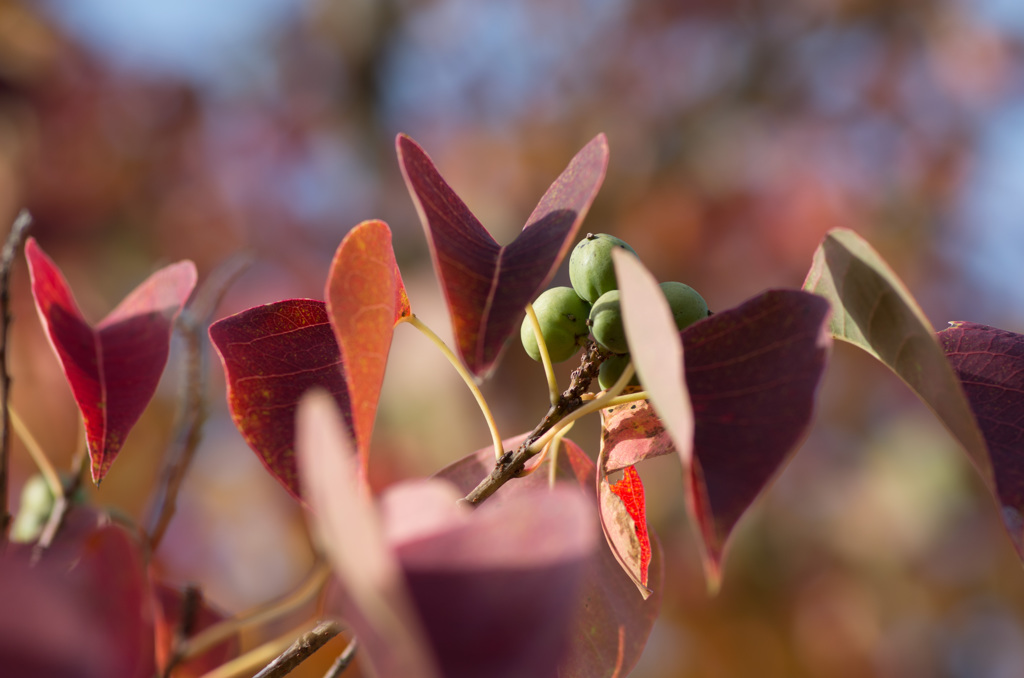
(365, 300)
(624, 520)
(611, 623)
(990, 365)
(112, 583)
(752, 373)
(487, 285)
(273, 354)
(112, 368)
(169, 602)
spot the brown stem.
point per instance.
(301, 650)
(512, 463)
(192, 322)
(186, 625)
(18, 230)
(61, 506)
(216, 634)
(343, 660)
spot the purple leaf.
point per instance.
(746, 401)
(752, 373)
(510, 570)
(465, 573)
(488, 285)
(990, 365)
(612, 622)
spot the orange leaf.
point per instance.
(365, 300)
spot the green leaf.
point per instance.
(873, 310)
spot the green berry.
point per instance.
(611, 370)
(590, 265)
(606, 323)
(687, 305)
(36, 504)
(563, 323)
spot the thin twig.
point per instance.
(245, 664)
(545, 355)
(190, 603)
(511, 464)
(35, 450)
(466, 377)
(192, 322)
(61, 506)
(343, 660)
(18, 230)
(301, 650)
(216, 634)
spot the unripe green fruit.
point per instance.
(611, 370)
(34, 510)
(606, 323)
(590, 265)
(687, 305)
(563, 323)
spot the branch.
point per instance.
(343, 660)
(63, 503)
(18, 230)
(186, 625)
(192, 322)
(301, 650)
(218, 633)
(511, 464)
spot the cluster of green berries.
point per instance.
(568, 315)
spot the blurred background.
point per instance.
(143, 133)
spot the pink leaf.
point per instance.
(272, 355)
(632, 432)
(488, 285)
(365, 299)
(112, 368)
(656, 349)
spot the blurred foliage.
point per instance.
(739, 132)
